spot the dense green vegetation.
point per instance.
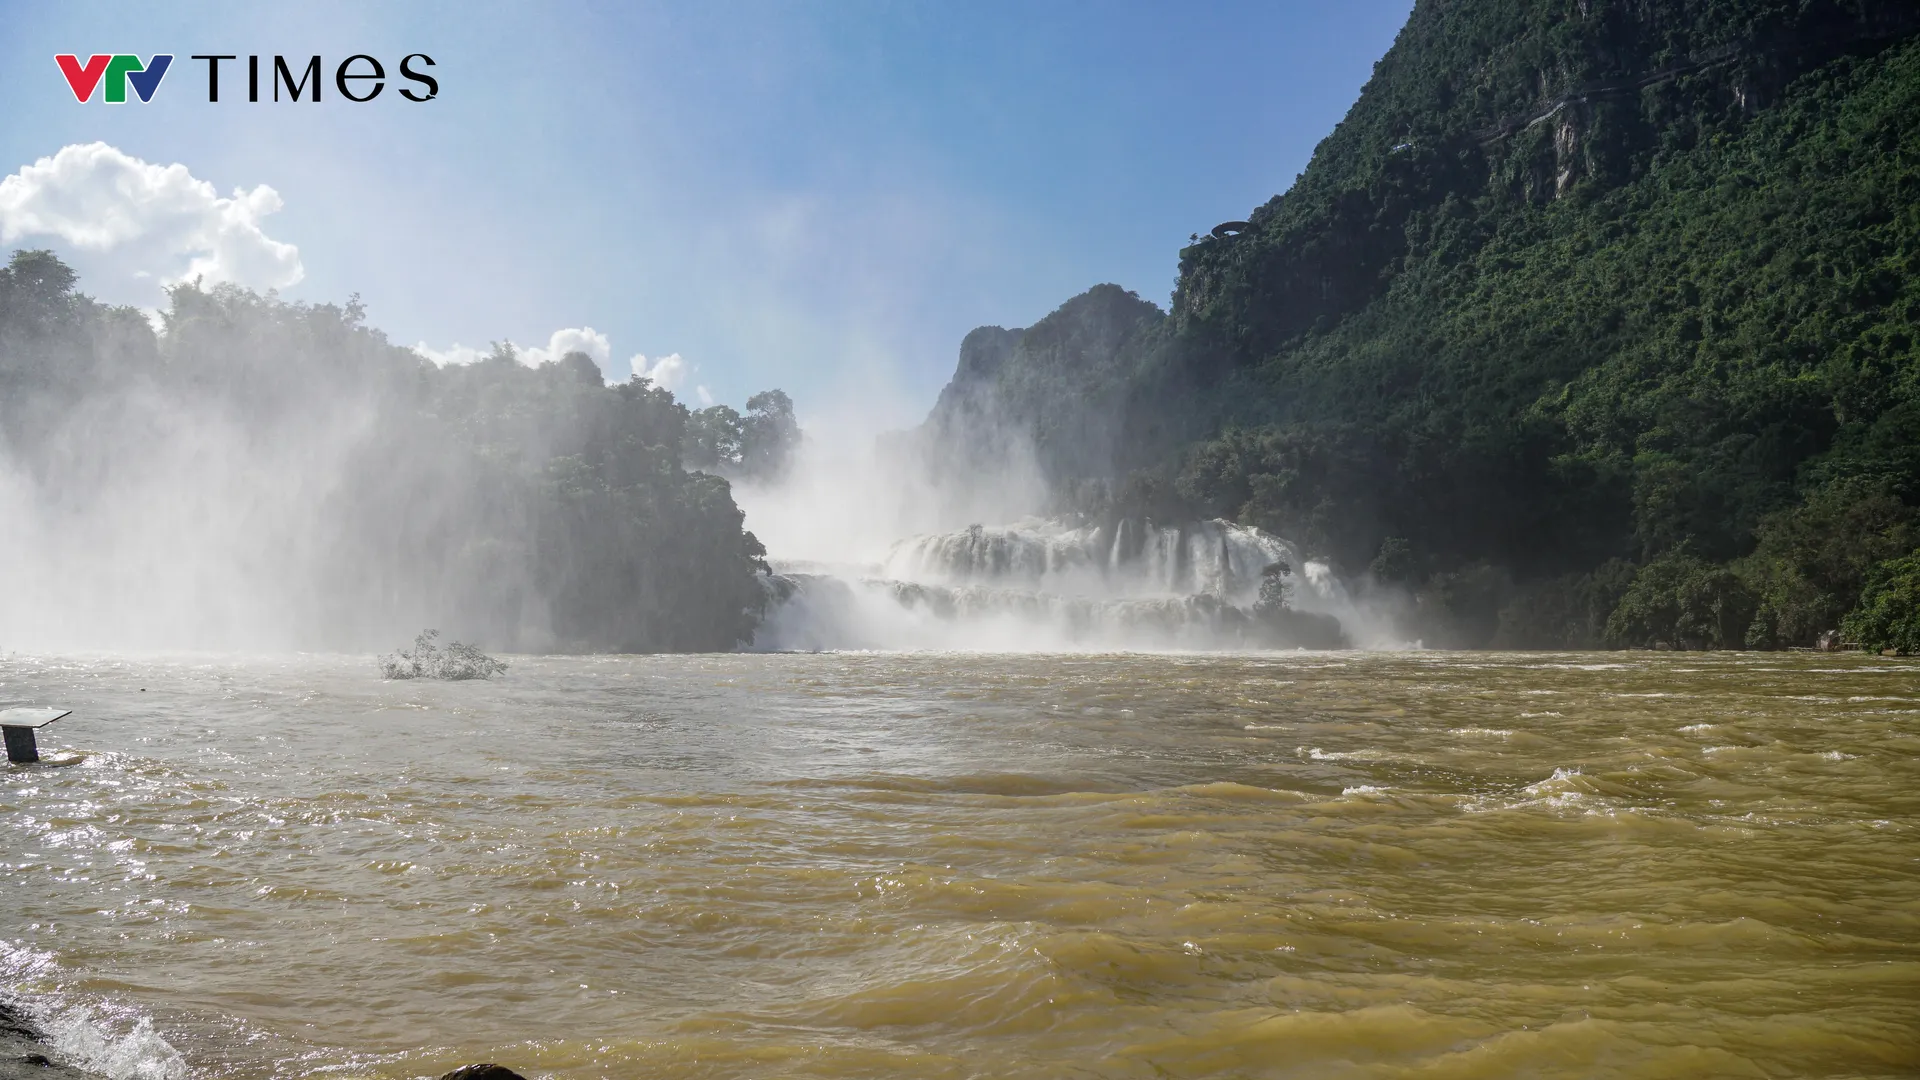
(360, 489)
(1889, 612)
(1594, 323)
(758, 446)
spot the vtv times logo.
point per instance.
(358, 78)
(117, 71)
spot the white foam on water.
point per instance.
(112, 1047)
(113, 1041)
(1318, 754)
(1556, 784)
(1567, 788)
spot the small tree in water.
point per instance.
(1279, 625)
(457, 661)
(1275, 589)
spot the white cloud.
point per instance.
(99, 199)
(669, 372)
(561, 342)
(574, 339)
(452, 354)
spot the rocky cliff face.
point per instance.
(1479, 111)
(1578, 288)
(1056, 387)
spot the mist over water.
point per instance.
(882, 549)
(851, 494)
(260, 476)
(142, 520)
(139, 520)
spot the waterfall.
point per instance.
(1131, 559)
(1046, 585)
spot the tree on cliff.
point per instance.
(758, 446)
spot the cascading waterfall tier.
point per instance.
(1040, 585)
(1131, 558)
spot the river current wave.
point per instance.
(966, 865)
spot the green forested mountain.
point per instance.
(1594, 322)
(259, 473)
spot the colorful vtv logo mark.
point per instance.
(118, 71)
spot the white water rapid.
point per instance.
(1046, 585)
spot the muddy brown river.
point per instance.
(945, 865)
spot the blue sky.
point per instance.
(820, 196)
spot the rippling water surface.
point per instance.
(1430, 865)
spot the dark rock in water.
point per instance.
(1286, 628)
(486, 1070)
(20, 1045)
(13, 1023)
